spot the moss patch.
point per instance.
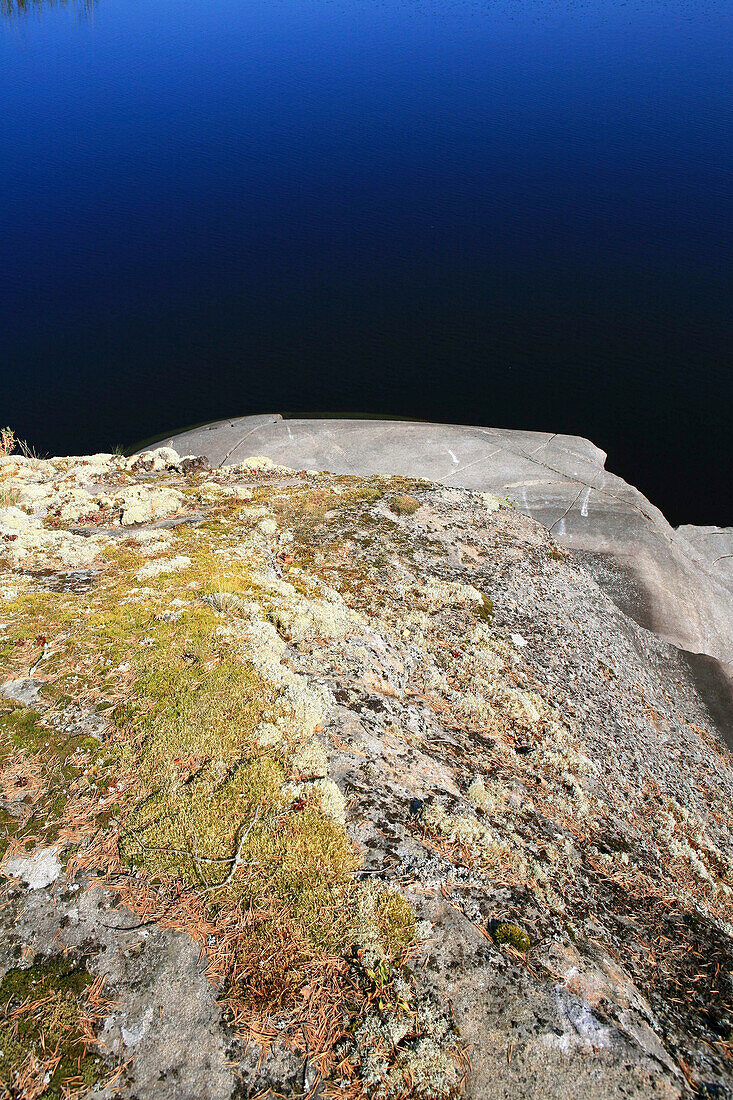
(44, 1032)
(404, 505)
(511, 935)
(41, 768)
(395, 920)
(211, 820)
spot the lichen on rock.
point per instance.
(372, 761)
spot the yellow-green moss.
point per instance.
(193, 698)
(22, 727)
(369, 493)
(395, 920)
(207, 802)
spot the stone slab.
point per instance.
(675, 584)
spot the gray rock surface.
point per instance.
(163, 1007)
(677, 583)
(715, 544)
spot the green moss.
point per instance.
(191, 830)
(404, 505)
(205, 804)
(49, 763)
(369, 493)
(23, 727)
(58, 974)
(511, 935)
(194, 699)
(395, 921)
(25, 730)
(197, 831)
(32, 1038)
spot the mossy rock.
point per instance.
(59, 983)
(64, 757)
(511, 935)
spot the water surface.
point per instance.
(515, 213)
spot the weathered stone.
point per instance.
(154, 461)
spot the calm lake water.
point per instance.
(510, 213)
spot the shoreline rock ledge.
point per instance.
(359, 784)
(677, 583)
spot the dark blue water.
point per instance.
(510, 213)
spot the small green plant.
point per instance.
(8, 441)
(511, 935)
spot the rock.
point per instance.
(312, 750)
(24, 691)
(161, 1009)
(664, 580)
(715, 545)
(162, 458)
(194, 464)
(37, 870)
